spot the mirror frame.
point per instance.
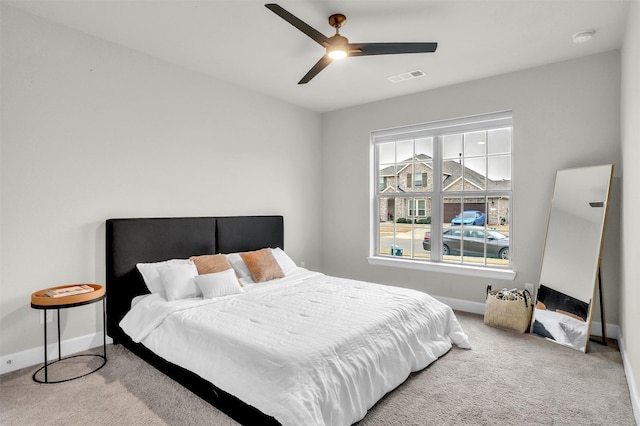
(566, 323)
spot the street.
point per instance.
(405, 238)
(409, 239)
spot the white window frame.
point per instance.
(413, 207)
(435, 129)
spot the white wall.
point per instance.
(565, 115)
(630, 232)
(91, 130)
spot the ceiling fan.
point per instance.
(338, 47)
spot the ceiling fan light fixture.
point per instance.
(338, 47)
(337, 54)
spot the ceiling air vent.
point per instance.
(406, 76)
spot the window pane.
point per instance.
(388, 207)
(499, 228)
(498, 211)
(386, 156)
(452, 162)
(421, 226)
(499, 172)
(423, 171)
(451, 207)
(475, 143)
(386, 152)
(499, 141)
(387, 178)
(474, 172)
(417, 208)
(472, 243)
(422, 207)
(450, 243)
(423, 153)
(405, 175)
(451, 175)
(424, 147)
(452, 146)
(404, 150)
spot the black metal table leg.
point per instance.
(46, 359)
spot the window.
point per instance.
(417, 207)
(447, 185)
(418, 179)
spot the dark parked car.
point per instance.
(469, 217)
(473, 242)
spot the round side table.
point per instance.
(40, 301)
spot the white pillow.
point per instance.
(286, 264)
(218, 284)
(178, 280)
(238, 265)
(575, 332)
(151, 277)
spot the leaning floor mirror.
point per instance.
(571, 259)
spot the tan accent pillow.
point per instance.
(211, 263)
(262, 265)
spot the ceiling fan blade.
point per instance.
(299, 24)
(319, 66)
(366, 49)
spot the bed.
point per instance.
(303, 348)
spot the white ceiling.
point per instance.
(242, 42)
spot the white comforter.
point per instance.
(307, 349)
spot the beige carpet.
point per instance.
(506, 379)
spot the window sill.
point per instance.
(446, 268)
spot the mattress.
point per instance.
(306, 349)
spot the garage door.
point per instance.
(452, 209)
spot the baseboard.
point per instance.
(631, 382)
(613, 331)
(463, 305)
(35, 356)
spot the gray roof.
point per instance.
(452, 172)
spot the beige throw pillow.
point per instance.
(211, 263)
(262, 265)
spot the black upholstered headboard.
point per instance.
(130, 241)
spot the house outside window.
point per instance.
(454, 173)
